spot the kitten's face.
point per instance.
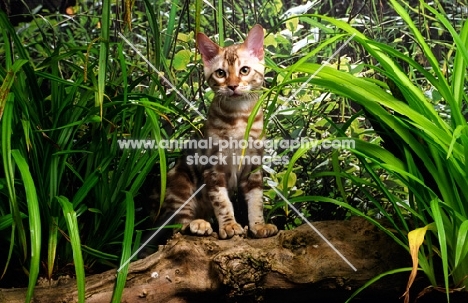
(236, 70)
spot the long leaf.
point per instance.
(103, 53)
(377, 278)
(438, 219)
(8, 166)
(126, 248)
(34, 221)
(74, 234)
(161, 152)
(461, 247)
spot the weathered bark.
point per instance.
(290, 267)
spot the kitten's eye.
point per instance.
(245, 70)
(220, 73)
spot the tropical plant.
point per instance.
(421, 149)
(73, 87)
(63, 114)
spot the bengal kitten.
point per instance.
(235, 73)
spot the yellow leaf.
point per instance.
(415, 239)
(292, 179)
(270, 40)
(183, 37)
(292, 24)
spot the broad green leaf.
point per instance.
(181, 59)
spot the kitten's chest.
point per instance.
(235, 130)
(230, 121)
(226, 126)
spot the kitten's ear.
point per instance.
(207, 48)
(254, 41)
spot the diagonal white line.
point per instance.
(160, 74)
(314, 228)
(314, 74)
(161, 227)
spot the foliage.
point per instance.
(421, 149)
(63, 113)
(72, 87)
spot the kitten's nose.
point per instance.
(233, 87)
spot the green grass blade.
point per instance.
(338, 179)
(421, 40)
(4, 24)
(372, 97)
(459, 65)
(353, 210)
(6, 221)
(459, 78)
(103, 53)
(8, 82)
(154, 28)
(123, 67)
(126, 248)
(99, 254)
(320, 48)
(143, 173)
(461, 246)
(220, 23)
(170, 34)
(442, 237)
(7, 132)
(414, 95)
(52, 245)
(251, 119)
(74, 234)
(161, 152)
(198, 14)
(7, 28)
(89, 184)
(34, 221)
(377, 278)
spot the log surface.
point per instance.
(295, 266)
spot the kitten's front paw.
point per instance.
(229, 230)
(200, 227)
(263, 230)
